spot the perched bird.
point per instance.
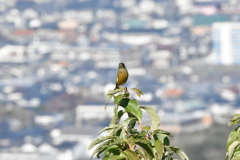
(122, 75)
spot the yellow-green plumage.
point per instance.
(122, 75)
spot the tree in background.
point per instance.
(233, 143)
(128, 139)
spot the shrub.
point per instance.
(233, 142)
(129, 139)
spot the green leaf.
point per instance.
(130, 140)
(101, 148)
(235, 120)
(113, 92)
(115, 110)
(132, 107)
(159, 149)
(142, 141)
(179, 152)
(130, 155)
(232, 149)
(236, 155)
(137, 91)
(100, 140)
(168, 156)
(129, 121)
(162, 132)
(133, 124)
(108, 128)
(122, 133)
(117, 131)
(115, 158)
(146, 128)
(234, 135)
(162, 137)
(226, 158)
(146, 145)
(110, 94)
(116, 118)
(118, 98)
(108, 99)
(111, 150)
(126, 95)
(143, 153)
(153, 116)
(143, 133)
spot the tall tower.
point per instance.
(226, 43)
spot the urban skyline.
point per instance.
(59, 58)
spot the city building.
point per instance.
(225, 43)
(47, 119)
(176, 122)
(87, 112)
(44, 151)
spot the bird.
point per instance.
(122, 75)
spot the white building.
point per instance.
(48, 119)
(88, 112)
(190, 122)
(225, 43)
(45, 151)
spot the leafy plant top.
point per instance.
(129, 139)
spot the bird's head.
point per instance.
(121, 65)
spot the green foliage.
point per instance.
(137, 91)
(153, 116)
(127, 142)
(233, 143)
(235, 120)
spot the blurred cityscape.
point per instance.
(58, 58)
